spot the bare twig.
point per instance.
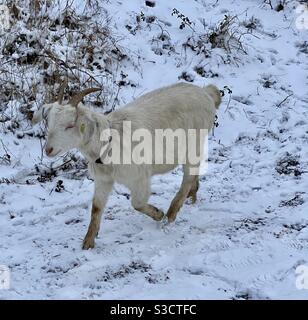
(284, 100)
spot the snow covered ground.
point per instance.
(248, 231)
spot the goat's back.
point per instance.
(177, 106)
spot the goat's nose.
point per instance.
(49, 151)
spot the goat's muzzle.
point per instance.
(49, 150)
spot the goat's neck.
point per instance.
(91, 150)
(89, 153)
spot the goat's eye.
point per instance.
(71, 126)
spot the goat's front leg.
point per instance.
(101, 193)
(140, 193)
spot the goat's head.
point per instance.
(68, 125)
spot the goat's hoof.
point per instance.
(192, 197)
(88, 244)
(158, 216)
(171, 217)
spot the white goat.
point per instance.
(72, 125)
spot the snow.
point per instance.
(243, 239)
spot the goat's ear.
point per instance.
(86, 129)
(40, 114)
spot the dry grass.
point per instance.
(51, 40)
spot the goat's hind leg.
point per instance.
(194, 189)
(188, 187)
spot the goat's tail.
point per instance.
(214, 93)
